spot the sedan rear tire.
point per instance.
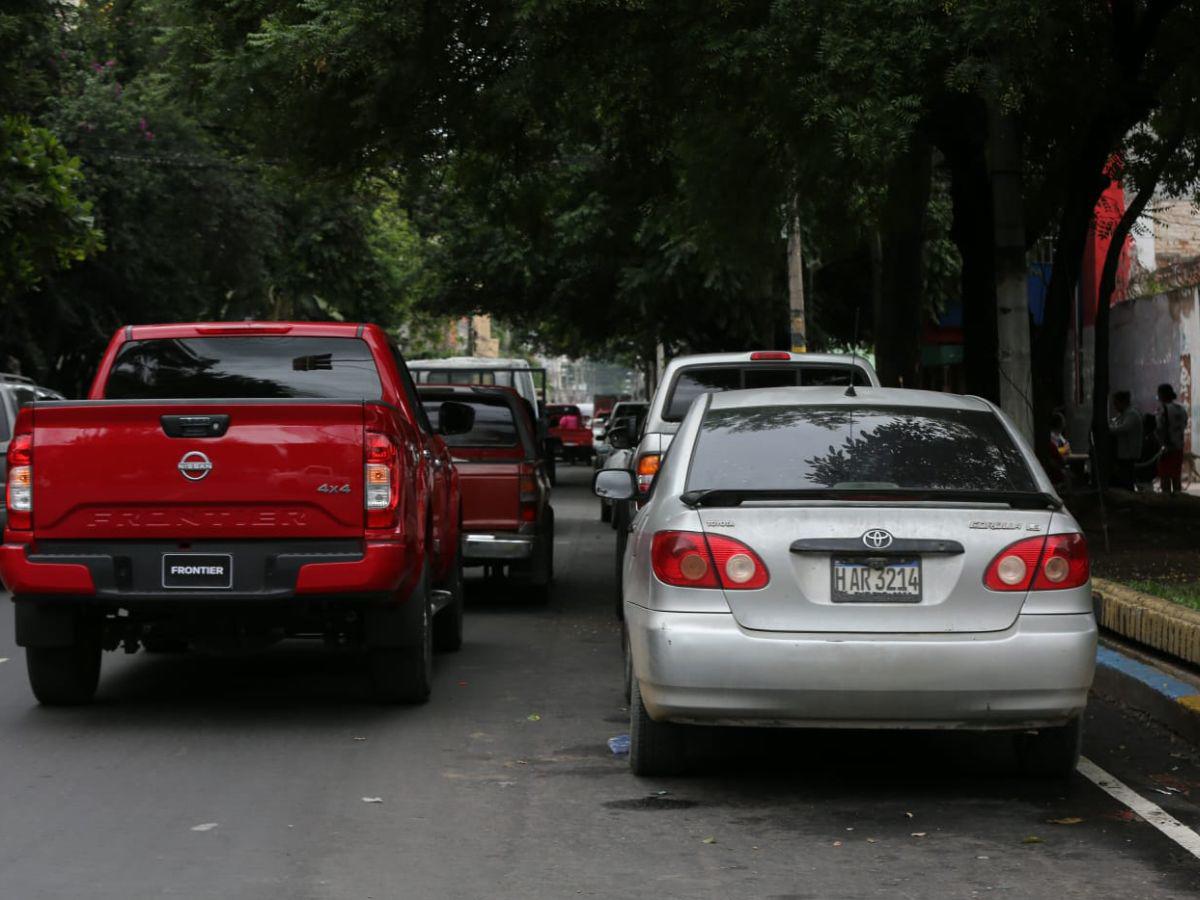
(655, 748)
(1050, 752)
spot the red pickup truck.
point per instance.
(508, 523)
(236, 484)
(569, 432)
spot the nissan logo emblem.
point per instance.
(194, 465)
(877, 539)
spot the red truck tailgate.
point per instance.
(287, 468)
(491, 492)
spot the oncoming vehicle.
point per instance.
(508, 523)
(689, 377)
(883, 559)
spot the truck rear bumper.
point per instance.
(261, 570)
(479, 547)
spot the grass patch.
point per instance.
(1185, 593)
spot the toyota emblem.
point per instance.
(195, 465)
(877, 539)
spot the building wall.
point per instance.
(1153, 340)
(1176, 231)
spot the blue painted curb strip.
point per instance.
(1159, 681)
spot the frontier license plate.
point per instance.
(858, 579)
(212, 571)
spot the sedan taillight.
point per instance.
(692, 559)
(1052, 563)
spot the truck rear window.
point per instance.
(238, 367)
(691, 383)
(495, 424)
(856, 448)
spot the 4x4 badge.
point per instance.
(194, 465)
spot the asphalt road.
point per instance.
(503, 785)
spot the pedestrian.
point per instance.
(1059, 450)
(1125, 426)
(1170, 425)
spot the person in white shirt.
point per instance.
(1125, 426)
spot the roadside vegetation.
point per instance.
(1185, 593)
(606, 177)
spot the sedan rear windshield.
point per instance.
(495, 422)
(691, 383)
(244, 367)
(774, 448)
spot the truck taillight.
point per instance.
(20, 483)
(647, 468)
(529, 494)
(1052, 563)
(380, 492)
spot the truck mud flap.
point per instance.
(396, 624)
(56, 624)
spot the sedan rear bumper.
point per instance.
(704, 668)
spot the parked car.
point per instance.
(689, 377)
(236, 483)
(508, 523)
(571, 442)
(865, 559)
(627, 417)
(624, 409)
(15, 392)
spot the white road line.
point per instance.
(1151, 812)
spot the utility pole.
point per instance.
(795, 264)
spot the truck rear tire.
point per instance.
(405, 674)
(542, 570)
(64, 676)
(448, 623)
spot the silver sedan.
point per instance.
(862, 557)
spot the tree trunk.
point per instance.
(899, 311)
(1012, 277)
(797, 320)
(1108, 284)
(973, 233)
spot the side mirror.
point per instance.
(455, 418)
(620, 434)
(614, 484)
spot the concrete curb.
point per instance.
(1168, 695)
(1148, 620)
